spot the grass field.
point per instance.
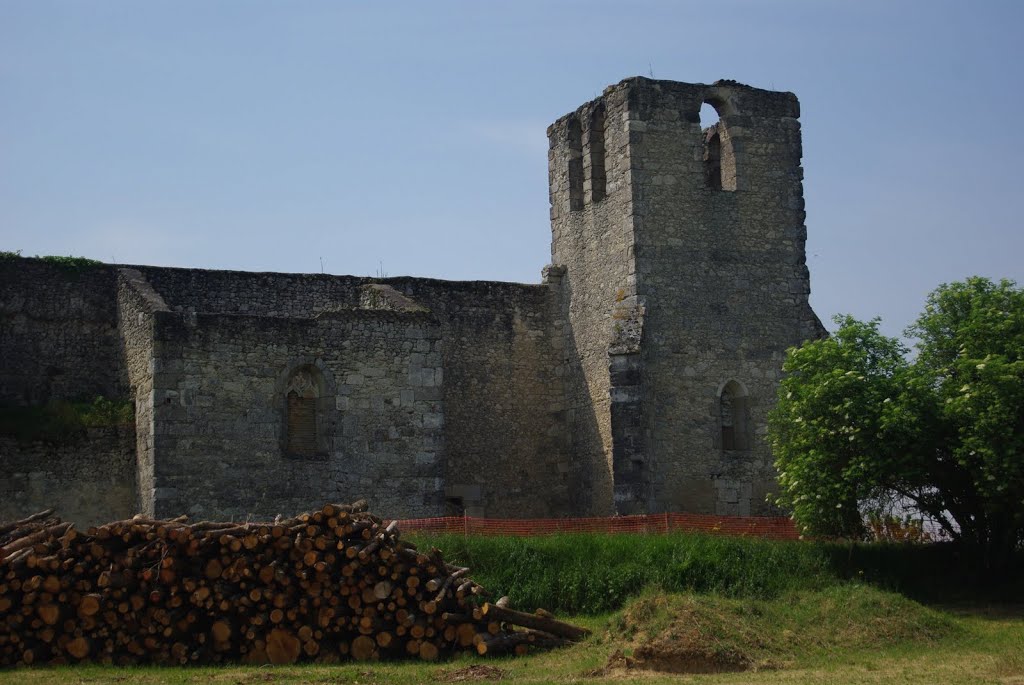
(747, 611)
(598, 573)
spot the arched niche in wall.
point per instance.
(733, 417)
(306, 413)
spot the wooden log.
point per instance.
(428, 651)
(19, 558)
(504, 643)
(49, 613)
(363, 648)
(221, 631)
(282, 647)
(6, 528)
(78, 647)
(89, 605)
(464, 633)
(42, 535)
(548, 625)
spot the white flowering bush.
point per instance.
(858, 420)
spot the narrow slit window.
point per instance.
(712, 158)
(596, 151)
(575, 171)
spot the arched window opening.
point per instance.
(575, 171)
(596, 155)
(732, 413)
(303, 434)
(719, 160)
(709, 121)
(712, 158)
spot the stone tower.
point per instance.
(679, 256)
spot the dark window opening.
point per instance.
(712, 159)
(719, 158)
(575, 171)
(733, 420)
(596, 154)
(301, 425)
(453, 506)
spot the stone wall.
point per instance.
(88, 481)
(58, 332)
(220, 406)
(137, 306)
(255, 294)
(506, 434)
(591, 238)
(507, 438)
(198, 352)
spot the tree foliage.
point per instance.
(860, 422)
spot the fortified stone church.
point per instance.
(636, 377)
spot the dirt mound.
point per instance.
(677, 634)
(690, 633)
(680, 659)
(470, 673)
(671, 659)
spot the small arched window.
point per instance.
(733, 420)
(303, 436)
(719, 157)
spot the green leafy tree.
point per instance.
(860, 423)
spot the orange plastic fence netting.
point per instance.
(775, 528)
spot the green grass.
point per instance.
(594, 573)
(798, 626)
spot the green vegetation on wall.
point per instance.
(62, 421)
(64, 261)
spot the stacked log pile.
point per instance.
(325, 586)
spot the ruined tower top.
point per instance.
(579, 140)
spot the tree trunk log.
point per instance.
(548, 625)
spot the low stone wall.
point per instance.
(90, 480)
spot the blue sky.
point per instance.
(409, 137)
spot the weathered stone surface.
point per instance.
(678, 271)
(708, 247)
(92, 480)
